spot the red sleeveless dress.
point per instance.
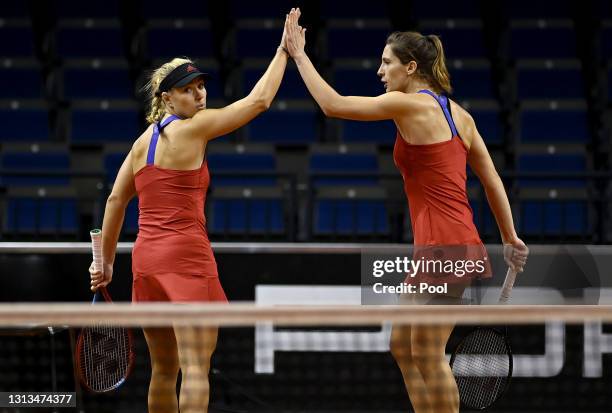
(435, 179)
(172, 259)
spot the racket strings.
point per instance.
(105, 357)
(481, 368)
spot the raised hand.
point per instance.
(296, 34)
(283, 42)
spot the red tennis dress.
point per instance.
(435, 184)
(172, 259)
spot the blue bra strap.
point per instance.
(157, 129)
(443, 102)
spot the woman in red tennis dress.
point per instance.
(172, 259)
(432, 150)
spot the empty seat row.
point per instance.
(290, 126)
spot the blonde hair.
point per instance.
(157, 107)
(428, 53)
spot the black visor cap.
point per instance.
(180, 76)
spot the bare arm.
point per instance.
(515, 250)
(114, 213)
(481, 163)
(386, 106)
(212, 123)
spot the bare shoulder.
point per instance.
(140, 148)
(464, 122)
(407, 104)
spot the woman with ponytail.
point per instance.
(172, 259)
(436, 139)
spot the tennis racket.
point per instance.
(482, 362)
(104, 354)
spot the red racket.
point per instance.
(104, 354)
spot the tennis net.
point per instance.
(323, 358)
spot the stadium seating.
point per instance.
(353, 211)
(554, 125)
(284, 126)
(247, 211)
(98, 126)
(321, 178)
(543, 81)
(24, 158)
(93, 82)
(41, 211)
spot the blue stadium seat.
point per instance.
(489, 125)
(447, 9)
(557, 162)
(358, 81)
(169, 42)
(101, 126)
(345, 9)
(356, 42)
(545, 43)
(242, 210)
(89, 83)
(603, 8)
(28, 161)
(292, 86)
(472, 83)
(610, 85)
(554, 126)
(544, 84)
(258, 42)
(461, 42)
(24, 125)
(543, 9)
(284, 127)
(345, 211)
(250, 163)
(351, 217)
(269, 9)
(382, 132)
(246, 216)
(553, 217)
(15, 10)
(190, 9)
(85, 42)
(339, 163)
(21, 42)
(21, 83)
(71, 9)
(606, 42)
(42, 215)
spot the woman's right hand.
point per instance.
(100, 278)
(296, 34)
(515, 254)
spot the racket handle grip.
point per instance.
(507, 287)
(96, 248)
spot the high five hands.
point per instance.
(294, 35)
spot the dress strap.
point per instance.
(157, 129)
(445, 104)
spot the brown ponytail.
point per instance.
(438, 68)
(427, 52)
